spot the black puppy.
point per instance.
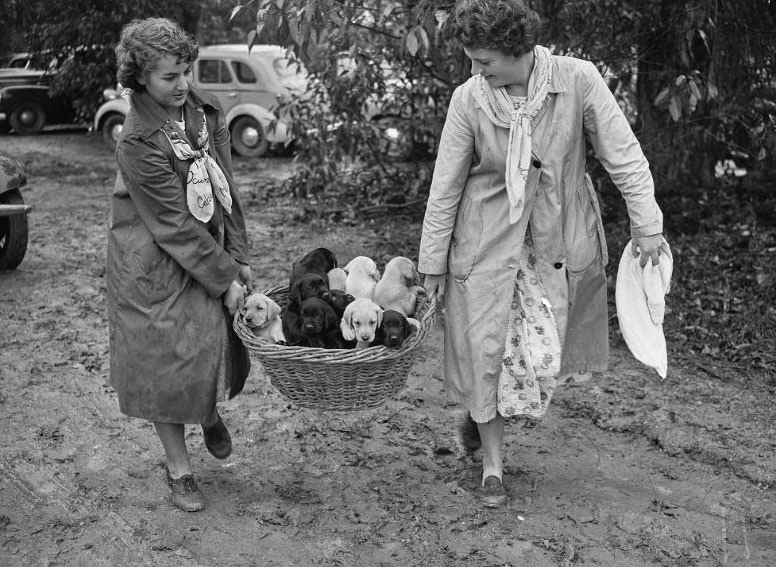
(318, 261)
(318, 321)
(339, 300)
(305, 287)
(308, 285)
(393, 329)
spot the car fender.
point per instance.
(119, 105)
(279, 133)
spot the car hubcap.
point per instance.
(250, 136)
(115, 132)
(27, 117)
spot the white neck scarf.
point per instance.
(500, 109)
(204, 173)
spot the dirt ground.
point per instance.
(625, 471)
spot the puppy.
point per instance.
(394, 328)
(362, 277)
(318, 261)
(262, 317)
(318, 323)
(337, 277)
(399, 287)
(360, 321)
(339, 300)
(306, 286)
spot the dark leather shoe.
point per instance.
(492, 493)
(217, 439)
(185, 493)
(469, 434)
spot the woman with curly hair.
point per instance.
(512, 240)
(177, 259)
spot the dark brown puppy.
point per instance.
(318, 261)
(317, 320)
(393, 330)
(339, 300)
(308, 285)
(305, 287)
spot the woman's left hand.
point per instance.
(649, 247)
(234, 298)
(246, 277)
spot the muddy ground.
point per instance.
(625, 471)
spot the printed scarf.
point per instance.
(205, 175)
(498, 106)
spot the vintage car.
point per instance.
(27, 102)
(248, 86)
(13, 213)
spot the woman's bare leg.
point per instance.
(492, 436)
(172, 437)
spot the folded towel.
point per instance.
(640, 298)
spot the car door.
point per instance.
(254, 81)
(213, 75)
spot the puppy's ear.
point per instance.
(295, 294)
(329, 317)
(273, 309)
(379, 316)
(346, 326)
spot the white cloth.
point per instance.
(205, 175)
(500, 109)
(640, 298)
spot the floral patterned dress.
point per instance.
(531, 365)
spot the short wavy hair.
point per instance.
(144, 42)
(508, 26)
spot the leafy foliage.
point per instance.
(374, 67)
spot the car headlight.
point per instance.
(392, 133)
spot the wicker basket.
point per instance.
(337, 379)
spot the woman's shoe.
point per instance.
(492, 493)
(469, 434)
(185, 493)
(217, 439)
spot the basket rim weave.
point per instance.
(262, 348)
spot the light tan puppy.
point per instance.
(337, 277)
(262, 317)
(362, 278)
(360, 321)
(399, 287)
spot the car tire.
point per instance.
(13, 232)
(248, 137)
(28, 118)
(112, 125)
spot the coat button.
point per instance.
(558, 265)
(536, 163)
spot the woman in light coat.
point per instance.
(177, 253)
(512, 238)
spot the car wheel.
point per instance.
(248, 137)
(13, 232)
(112, 125)
(28, 118)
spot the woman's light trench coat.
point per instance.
(171, 342)
(467, 234)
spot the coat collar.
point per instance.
(150, 116)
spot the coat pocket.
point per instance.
(585, 242)
(151, 268)
(465, 242)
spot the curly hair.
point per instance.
(144, 42)
(508, 26)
